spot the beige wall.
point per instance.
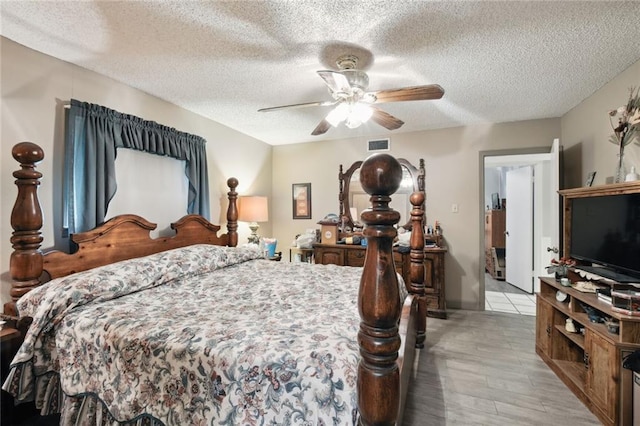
(34, 86)
(451, 157)
(452, 174)
(586, 131)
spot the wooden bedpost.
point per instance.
(416, 271)
(232, 212)
(26, 261)
(378, 299)
(341, 193)
(421, 174)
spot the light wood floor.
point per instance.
(480, 368)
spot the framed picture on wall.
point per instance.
(301, 200)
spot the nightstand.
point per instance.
(7, 334)
(301, 254)
(277, 257)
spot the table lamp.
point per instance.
(253, 209)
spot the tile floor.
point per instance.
(501, 296)
(523, 304)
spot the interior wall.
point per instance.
(452, 172)
(35, 87)
(451, 159)
(586, 130)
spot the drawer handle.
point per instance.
(585, 358)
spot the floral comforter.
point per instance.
(202, 335)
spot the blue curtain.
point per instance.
(94, 133)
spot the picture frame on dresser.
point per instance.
(301, 198)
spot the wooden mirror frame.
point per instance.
(344, 178)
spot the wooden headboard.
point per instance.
(126, 237)
(120, 238)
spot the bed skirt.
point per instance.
(48, 397)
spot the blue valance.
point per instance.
(94, 133)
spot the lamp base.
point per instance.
(254, 238)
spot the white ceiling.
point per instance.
(497, 61)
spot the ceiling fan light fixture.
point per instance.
(352, 122)
(338, 115)
(353, 115)
(362, 112)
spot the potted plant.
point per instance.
(560, 267)
(626, 130)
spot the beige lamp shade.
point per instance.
(253, 209)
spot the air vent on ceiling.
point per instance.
(375, 145)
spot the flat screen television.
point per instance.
(605, 231)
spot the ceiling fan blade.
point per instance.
(385, 119)
(321, 128)
(304, 105)
(336, 81)
(415, 93)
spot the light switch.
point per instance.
(454, 208)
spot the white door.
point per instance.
(519, 228)
(550, 244)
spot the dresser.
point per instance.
(434, 282)
(494, 242)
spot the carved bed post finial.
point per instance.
(416, 272)
(232, 212)
(421, 174)
(341, 192)
(26, 261)
(378, 338)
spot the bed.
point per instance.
(191, 329)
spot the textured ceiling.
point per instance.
(497, 61)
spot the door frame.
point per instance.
(482, 155)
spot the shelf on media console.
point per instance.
(601, 273)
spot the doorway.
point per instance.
(495, 289)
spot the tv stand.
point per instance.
(608, 273)
(590, 364)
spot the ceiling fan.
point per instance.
(353, 104)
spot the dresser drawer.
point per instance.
(355, 257)
(329, 256)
